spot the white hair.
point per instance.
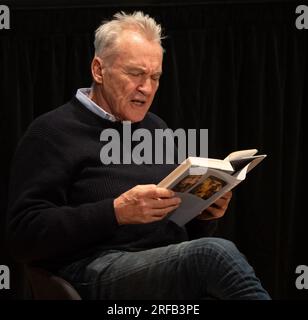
(108, 32)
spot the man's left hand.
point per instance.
(217, 209)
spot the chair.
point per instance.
(47, 286)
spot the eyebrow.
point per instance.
(141, 69)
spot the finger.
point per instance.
(154, 192)
(227, 195)
(162, 212)
(163, 193)
(215, 212)
(221, 203)
(205, 215)
(155, 218)
(163, 203)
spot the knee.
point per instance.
(210, 254)
(216, 247)
(223, 246)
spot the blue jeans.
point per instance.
(193, 269)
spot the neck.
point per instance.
(97, 96)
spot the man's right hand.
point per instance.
(144, 204)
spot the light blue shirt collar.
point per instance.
(82, 95)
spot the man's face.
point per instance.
(130, 82)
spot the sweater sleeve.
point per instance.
(199, 228)
(41, 224)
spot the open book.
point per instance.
(199, 182)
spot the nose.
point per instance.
(146, 87)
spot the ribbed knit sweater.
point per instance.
(61, 194)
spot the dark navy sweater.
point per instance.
(61, 194)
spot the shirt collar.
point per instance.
(82, 95)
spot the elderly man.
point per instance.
(100, 226)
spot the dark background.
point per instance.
(238, 68)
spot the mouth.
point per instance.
(138, 102)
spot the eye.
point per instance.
(135, 73)
(155, 77)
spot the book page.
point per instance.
(199, 186)
(255, 162)
(175, 175)
(241, 154)
(240, 163)
(193, 166)
(211, 163)
(188, 179)
(198, 192)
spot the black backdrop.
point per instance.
(238, 69)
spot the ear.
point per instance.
(97, 69)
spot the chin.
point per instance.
(136, 116)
